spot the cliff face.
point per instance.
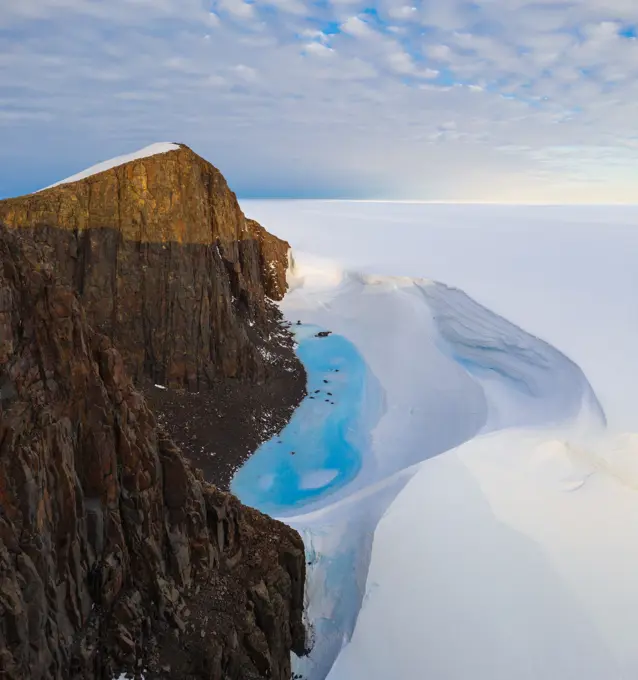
(165, 264)
(113, 552)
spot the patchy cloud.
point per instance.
(489, 100)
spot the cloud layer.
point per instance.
(501, 100)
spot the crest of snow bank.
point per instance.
(527, 381)
(317, 273)
(309, 271)
(152, 150)
(450, 369)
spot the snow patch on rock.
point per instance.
(151, 150)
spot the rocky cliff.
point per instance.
(165, 264)
(114, 553)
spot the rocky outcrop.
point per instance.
(114, 554)
(165, 264)
(275, 255)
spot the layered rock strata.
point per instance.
(114, 553)
(165, 264)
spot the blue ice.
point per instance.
(320, 450)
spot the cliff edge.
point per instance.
(114, 553)
(165, 264)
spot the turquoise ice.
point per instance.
(321, 448)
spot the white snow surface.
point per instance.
(490, 534)
(151, 150)
(566, 274)
(512, 556)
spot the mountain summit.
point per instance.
(160, 253)
(114, 552)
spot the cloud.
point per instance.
(424, 100)
(318, 48)
(237, 8)
(403, 63)
(403, 12)
(357, 27)
(440, 53)
(291, 6)
(244, 72)
(314, 34)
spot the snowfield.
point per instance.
(490, 531)
(566, 274)
(509, 557)
(151, 150)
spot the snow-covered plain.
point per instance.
(151, 150)
(490, 531)
(566, 274)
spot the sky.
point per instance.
(435, 100)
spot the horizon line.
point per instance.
(440, 202)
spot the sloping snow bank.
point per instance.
(542, 386)
(152, 150)
(431, 403)
(566, 274)
(450, 370)
(338, 542)
(513, 556)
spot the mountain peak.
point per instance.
(165, 262)
(151, 150)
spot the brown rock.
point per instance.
(165, 265)
(105, 530)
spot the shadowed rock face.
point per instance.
(165, 264)
(113, 551)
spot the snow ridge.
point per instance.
(151, 150)
(451, 372)
(505, 545)
(545, 387)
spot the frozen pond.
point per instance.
(321, 448)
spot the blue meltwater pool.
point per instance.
(321, 448)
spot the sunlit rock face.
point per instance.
(165, 264)
(115, 554)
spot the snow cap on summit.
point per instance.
(151, 150)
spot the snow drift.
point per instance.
(509, 557)
(488, 532)
(450, 371)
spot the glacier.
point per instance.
(487, 532)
